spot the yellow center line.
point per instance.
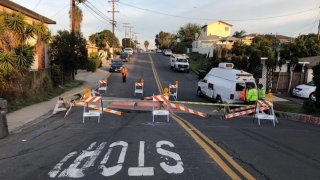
(204, 144)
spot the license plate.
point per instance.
(182, 69)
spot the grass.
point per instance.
(41, 96)
(288, 107)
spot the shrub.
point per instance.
(309, 107)
(94, 62)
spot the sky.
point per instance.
(149, 17)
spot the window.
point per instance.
(226, 28)
(240, 86)
(210, 86)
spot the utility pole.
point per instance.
(125, 33)
(72, 12)
(113, 22)
(130, 34)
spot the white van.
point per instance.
(179, 62)
(224, 84)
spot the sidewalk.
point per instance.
(37, 112)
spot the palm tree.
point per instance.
(239, 34)
(146, 44)
(78, 17)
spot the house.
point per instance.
(307, 64)
(41, 58)
(247, 39)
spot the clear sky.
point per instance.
(148, 17)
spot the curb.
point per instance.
(308, 119)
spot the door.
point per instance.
(210, 90)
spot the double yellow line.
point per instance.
(222, 158)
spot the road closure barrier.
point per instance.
(173, 90)
(103, 86)
(262, 110)
(176, 106)
(138, 87)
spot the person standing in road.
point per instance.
(252, 95)
(124, 73)
(261, 92)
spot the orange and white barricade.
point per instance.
(92, 113)
(173, 90)
(268, 115)
(165, 100)
(103, 86)
(162, 101)
(258, 111)
(138, 87)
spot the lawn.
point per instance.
(41, 96)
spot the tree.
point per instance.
(165, 39)
(127, 42)
(78, 16)
(157, 41)
(316, 80)
(68, 51)
(239, 48)
(188, 32)
(103, 39)
(239, 34)
(293, 63)
(146, 44)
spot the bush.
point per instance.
(94, 62)
(309, 107)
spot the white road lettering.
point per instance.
(141, 170)
(89, 155)
(176, 169)
(110, 171)
(54, 172)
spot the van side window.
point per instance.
(240, 86)
(210, 86)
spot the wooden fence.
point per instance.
(297, 78)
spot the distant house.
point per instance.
(213, 34)
(247, 39)
(41, 59)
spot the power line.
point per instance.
(205, 19)
(95, 12)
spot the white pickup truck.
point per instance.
(179, 62)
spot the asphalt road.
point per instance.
(131, 146)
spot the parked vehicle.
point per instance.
(305, 91)
(158, 51)
(124, 56)
(167, 52)
(179, 62)
(116, 65)
(224, 84)
(128, 50)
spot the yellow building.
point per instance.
(41, 58)
(217, 28)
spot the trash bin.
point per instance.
(202, 74)
(3, 119)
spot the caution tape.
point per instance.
(210, 104)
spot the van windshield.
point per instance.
(240, 86)
(182, 60)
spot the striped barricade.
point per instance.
(268, 115)
(103, 86)
(242, 108)
(173, 90)
(92, 113)
(163, 103)
(165, 99)
(138, 88)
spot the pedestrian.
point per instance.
(243, 94)
(252, 95)
(124, 73)
(261, 92)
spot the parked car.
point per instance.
(167, 52)
(128, 50)
(179, 62)
(158, 51)
(116, 65)
(124, 56)
(305, 91)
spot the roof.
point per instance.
(313, 61)
(217, 21)
(229, 38)
(282, 37)
(25, 11)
